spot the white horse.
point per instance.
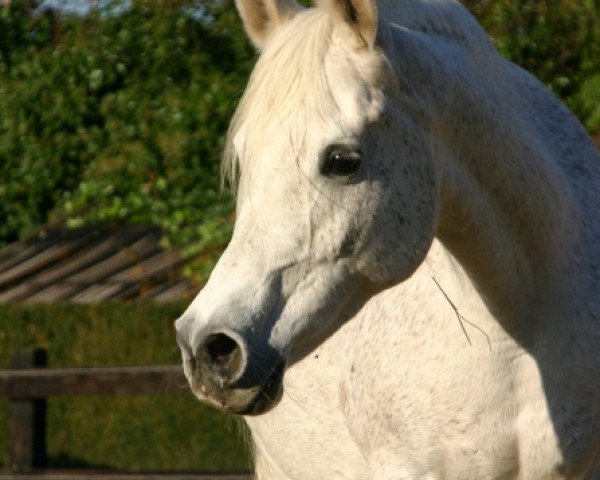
(412, 290)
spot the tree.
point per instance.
(556, 40)
(120, 115)
(121, 120)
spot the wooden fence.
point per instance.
(29, 383)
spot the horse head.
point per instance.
(337, 199)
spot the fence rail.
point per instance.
(29, 383)
(44, 382)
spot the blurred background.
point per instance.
(112, 121)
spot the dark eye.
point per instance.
(340, 161)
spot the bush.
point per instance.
(588, 99)
(556, 40)
(119, 118)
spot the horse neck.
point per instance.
(508, 211)
(511, 227)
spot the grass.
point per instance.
(154, 432)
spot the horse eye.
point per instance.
(340, 162)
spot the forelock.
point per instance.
(288, 79)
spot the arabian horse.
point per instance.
(412, 289)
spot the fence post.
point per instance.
(27, 418)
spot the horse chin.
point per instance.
(250, 401)
(261, 403)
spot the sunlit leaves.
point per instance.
(556, 40)
(120, 118)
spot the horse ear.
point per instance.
(360, 15)
(262, 17)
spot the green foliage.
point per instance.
(119, 118)
(556, 40)
(158, 432)
(588, 99)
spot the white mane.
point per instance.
(297, 58)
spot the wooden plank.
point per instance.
(14, 294)
(19, 252)
(10, 253)
(53, 293)
(161, 265)
(90, 265)
(37, 262)
(94, 475)
(99, 292)
(41, 383)
(15, 254)
(52, 283)
(124, 258)
(45, 253)
(106, 245)
(167, 293)
(59, 283)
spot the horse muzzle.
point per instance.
(224, 372)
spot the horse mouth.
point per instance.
(251, 401)
(269, 395)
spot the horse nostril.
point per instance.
(220, 348)
(224, 357)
